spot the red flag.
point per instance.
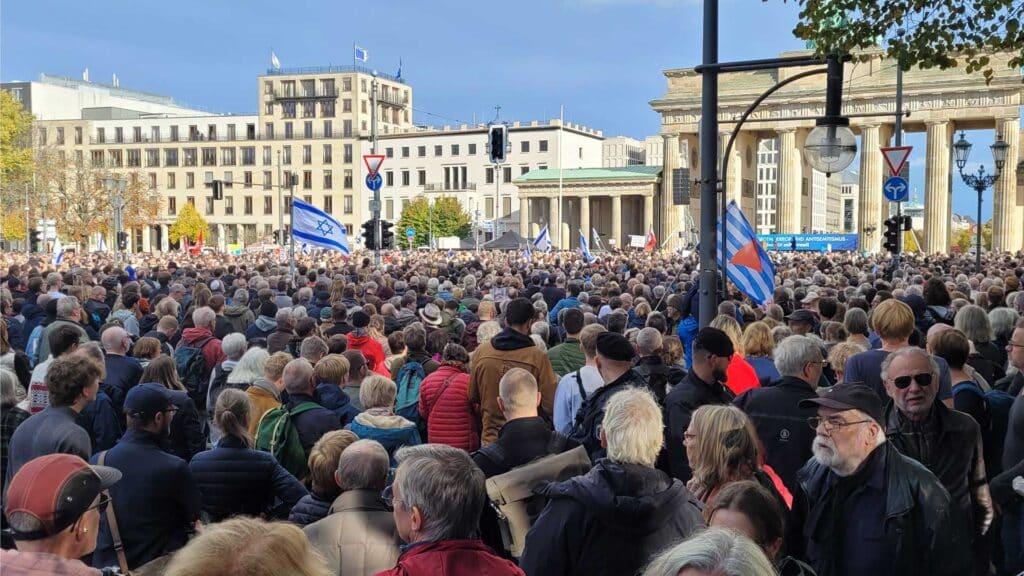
(652, 241)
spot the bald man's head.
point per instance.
(115, 340)
(518, 395)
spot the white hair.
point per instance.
(648, 341)
(633, 428)
(233, 345)
(910, 352)
(204, 317)
(249, 367)
(717, 551)
(795, 352)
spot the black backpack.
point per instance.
(655, 378)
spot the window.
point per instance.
(438, 150)
(134, 158)
(79, 158)
(523, 170)
(581, 152)
(101, 136)
(286, 153)
(346, 128)
(116, 159)
(348, 180)
(268, 130)
(405, 177)
(327, 87)
(191, 200)
(209, 156)
(472, 149)
(488, 207)
(309, 109)
(207, 177)
(421, 177)
(250, 131)
(389, 209)
(97, 158)
(328, 204)
(328, 154)
(247, 205)
(231, 132)
(248, 156)
(542, 145)
(152, 157)
(268, 181)
(307, 154)
(227, 156)
(309, 87)
(288, 132)
(268, 86)
(348, 154)
(78, 135)
(172, 205)
(327, 108)
(307, 129)
(60, 136)
(506, 174)
(211, 132)
(421, 151)
(346, 105)
(542, 167)
(346, 84)
(152, 180)
(362, 106)
(229, 205)
(455, 149)
(267, 156)
(506, 206)
(389, 178)
(171, 183)
(154, 134)
(524, 146)
(307, 180)
(191, 156)
(489, 176)
(174, 133)
(389, 152)
(209, 204)
(348, 204)
(288, 109)
(328, 129)
(118, 135)
(307, 199)
(171, 157)
(328, 180)
(190, 181)
(268, 205)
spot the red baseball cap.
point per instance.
(52, 492)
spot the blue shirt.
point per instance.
(563, 304)
(568, 399)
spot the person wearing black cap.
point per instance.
(54, 505)
(615, 364)
(265, 324)
(873, 510)
(802, 322)
(156, 503)
(704, 384)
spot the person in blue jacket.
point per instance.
(331, 374)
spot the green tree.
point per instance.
(964, 239)
(446, 214)
(187, 225)
(937, 33)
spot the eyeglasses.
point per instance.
(822, 363)
(100, 506)
(831, 424)
(923, 379)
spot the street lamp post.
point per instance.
(981, 180)
(115, 185)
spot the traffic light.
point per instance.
(35, 240)
(907, 224)
(370, 235)
(497, 143)
(122, 241)
(387, 236)
(892, 235)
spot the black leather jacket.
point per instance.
(917, 518)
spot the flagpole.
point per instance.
(561, 125)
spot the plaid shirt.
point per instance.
(10, 418)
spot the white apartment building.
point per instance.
(619, 151)
(453, 161)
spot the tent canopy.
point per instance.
(508, 241)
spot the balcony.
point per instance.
(440, 187)
(303, 95)
(393, 100)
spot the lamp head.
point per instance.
(831, 146)
(961, 151)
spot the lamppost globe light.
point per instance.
(999, 150)
(961, 151)
(830, 148)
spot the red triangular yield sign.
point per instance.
(373, 162)
(747, 257)
(896, 157)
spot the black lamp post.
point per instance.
(981, 180)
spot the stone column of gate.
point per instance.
(1007, 216)
(669, 219)
(147, 232)
(788, 205)
(649, 216)
(165, 242)
(554, 222)
(585, 219)
(524, 216)
(869, 220)
(936, 187)
(616, 232)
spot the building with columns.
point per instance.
(939, 102)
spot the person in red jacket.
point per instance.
(359, 339)
(444, 402)
(438, 495)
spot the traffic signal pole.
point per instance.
(899, 142)
(373, 150)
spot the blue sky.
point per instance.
(602, 59)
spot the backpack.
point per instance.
(993, 435)
(655, 380)
(193, 371)
(512, 494)
(408, 398)
(277, 435)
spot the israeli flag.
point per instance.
(58, 253)
(543, 240)
(585, 250)
(313, 226)
(103, 244)
(527, 252)
(361, 54)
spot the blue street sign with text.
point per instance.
(374, 182)
(896, 189)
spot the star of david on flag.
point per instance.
(316, 228)
(543, 240)
(585, 250)
(749, 269)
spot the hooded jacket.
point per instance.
(278, 340)
(261, 328)
(333, 397)
(240, 317)
(508, 349)
(371, 349)
(621, 516)
(391, 430)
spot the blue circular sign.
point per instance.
(374, 182)
(410, 232)
(896, 189)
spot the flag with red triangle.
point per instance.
(652, 241)
(748, 265)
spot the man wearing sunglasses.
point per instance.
(945, 441)
(872, 510)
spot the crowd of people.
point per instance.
(216, 414)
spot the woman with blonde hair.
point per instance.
(759, 347)
(187, 437)
(235, 480)
(249, 547)
(740, 375)
(146, 350)
(838, 356)
(722, 447)
(376, 331)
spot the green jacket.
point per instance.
(567, 357)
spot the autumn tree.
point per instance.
(937, 33)
(188, 225)
(15, 139)
(445, 216)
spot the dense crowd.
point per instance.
(488, 413)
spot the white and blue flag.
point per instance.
(103, 244)
(585, 250)
(527, 252)
(57, 256)
(543, 240)
(749, 267)
(361, 54)
(313, 226)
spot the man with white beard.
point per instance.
(871, 509)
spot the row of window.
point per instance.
(348, 203)
(471, 149)
(327, 110)
(231, 156)
(306, 181)
(328, 88)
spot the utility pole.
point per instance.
(899, 142)
(709, 166)
(280, 205)
(373, 150)
(291, 225)
(28, 224)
